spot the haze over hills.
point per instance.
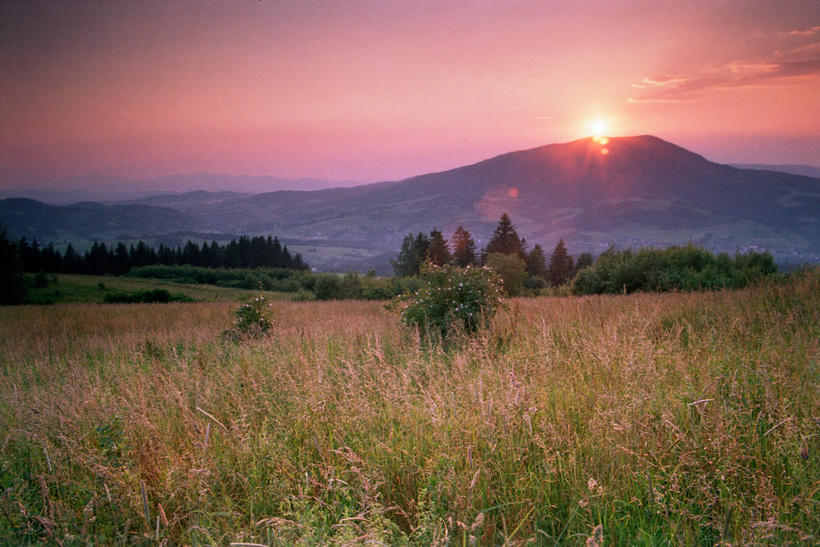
(629, 191)
(805, 170)
(105, 188)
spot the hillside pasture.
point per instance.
(75, 289)
(663, 419)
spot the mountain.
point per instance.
(631, 191)
(88, 221)
(104, 188)
(805, 170)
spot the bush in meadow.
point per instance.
(511, 269)
(676, 268)
(251, 320)
(160, 296)
(452, 299)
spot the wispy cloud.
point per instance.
(795, 64)
(808, 32)
(732, 76)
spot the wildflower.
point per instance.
(597, 537)
(479, 521)
(595, 487)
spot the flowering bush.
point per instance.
(452, 299)
(251, 320)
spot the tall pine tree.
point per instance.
(12, 287)
(412, 254)
(536, 262)
(561, 266)
(438, 253)
(505, 240)
(464, 249)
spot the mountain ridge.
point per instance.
(793, 169)
(105, 188)
(623, 191)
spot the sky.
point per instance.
(371, 90)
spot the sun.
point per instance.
(599, 127)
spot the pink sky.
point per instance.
(379, 90)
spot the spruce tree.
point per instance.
(561, 265)
(437, 252)
(585, 260)
(536, 262)
(505, 240)
(464, 249)
(12, 287)
(413, 252)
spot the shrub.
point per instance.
(40, 280)
(304, 296)
(161, 296)
(327, 287)
(250, 320)
(676, 268)
(511, 269)
(452, 299)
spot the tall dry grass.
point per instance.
(676, 419)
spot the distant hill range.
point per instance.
(628, 192)
(104, 188)
(805, 170)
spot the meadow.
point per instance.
(77, 289)
(643, 419)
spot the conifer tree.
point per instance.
(561, 265)
(585, 260)
(536, 262)
(12, 287)
(413, 251)
(438, 253)
(71, 260)
(464, 249)
(122, 260)
(505, 240)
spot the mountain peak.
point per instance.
(628, 191)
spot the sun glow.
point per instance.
(599, 128)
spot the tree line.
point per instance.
(100, 259)
(676, 268)
(680, 267)
(506, 253)
(258, 262)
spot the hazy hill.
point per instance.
(105, 188)
(644, 191)
(805, 170)
(87, 221)
(633, 191)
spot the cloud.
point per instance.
(810, 32)
(796, 63)
(732, 76)
(664, 80)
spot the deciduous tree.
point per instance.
(511, 269)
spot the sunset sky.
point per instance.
(382, 90)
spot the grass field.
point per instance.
(75, 289)
(673, 419)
